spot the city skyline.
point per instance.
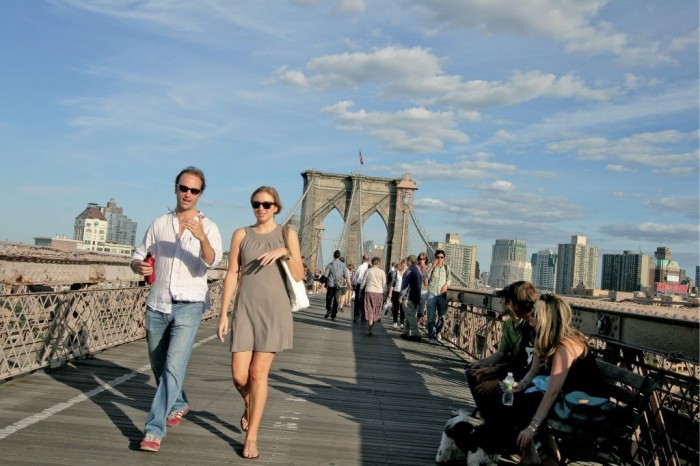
(517, 120)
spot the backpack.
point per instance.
(390, 276)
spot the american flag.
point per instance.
(362, 161)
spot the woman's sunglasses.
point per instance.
(183, 189)
(266, 205)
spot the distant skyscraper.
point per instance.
(697, 276)
(628, 271)
(120, 229)
(459, 257)
(577, 264)
(509, 263)
(544, 268)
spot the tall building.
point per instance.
(666, 275)
(577, 265)
(544, 268)
(459, 257)
(628, 271)
(509, 263)
(697, 277)
(120, 229)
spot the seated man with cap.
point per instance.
(515, 350)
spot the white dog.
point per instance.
(448, 450)
(461, 435)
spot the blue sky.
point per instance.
(535, 120)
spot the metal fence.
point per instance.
(47, 329)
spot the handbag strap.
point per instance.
(285, 234)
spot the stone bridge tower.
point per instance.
(356, 197)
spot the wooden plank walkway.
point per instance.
(339, 397)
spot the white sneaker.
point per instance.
(396, 325)
(401, 326)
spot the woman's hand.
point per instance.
(271, 257)
(222, 330)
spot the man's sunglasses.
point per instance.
(184, 189)
(266, 205)
(439, 257)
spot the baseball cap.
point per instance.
(502, 293)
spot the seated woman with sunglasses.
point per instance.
(261, 323)
(563, 353)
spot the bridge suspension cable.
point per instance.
(296, 206)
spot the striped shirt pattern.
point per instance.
(181, 273)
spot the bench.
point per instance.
(614, 441)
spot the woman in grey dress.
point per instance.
(261, 323)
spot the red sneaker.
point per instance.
(174, 418)
(150, 443)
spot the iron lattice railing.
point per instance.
(669, 434)
(45, 329)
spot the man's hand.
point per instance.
(196, 228)
(142, 268)
(486, 387)
(483, 373)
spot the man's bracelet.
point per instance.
(536, 420)
(533, 429)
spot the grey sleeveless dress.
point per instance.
(262, 317)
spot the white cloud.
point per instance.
(410, 130)
(571, 23)
(654, 232)
(416, 73)
(690, 205)
(499, 185)
(477, 169)
(617, 168)
(653, 149)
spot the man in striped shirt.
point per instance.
(185, 245)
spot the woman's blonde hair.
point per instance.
(554, 327)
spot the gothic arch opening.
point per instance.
(357, 198)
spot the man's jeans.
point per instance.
(421, 306)
(332, 299)
(170, 339)
(439, 302)
(411, 326)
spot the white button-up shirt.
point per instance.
(181, 273)
(359, 274)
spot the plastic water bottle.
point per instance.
(150, 260)
(508, 392)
